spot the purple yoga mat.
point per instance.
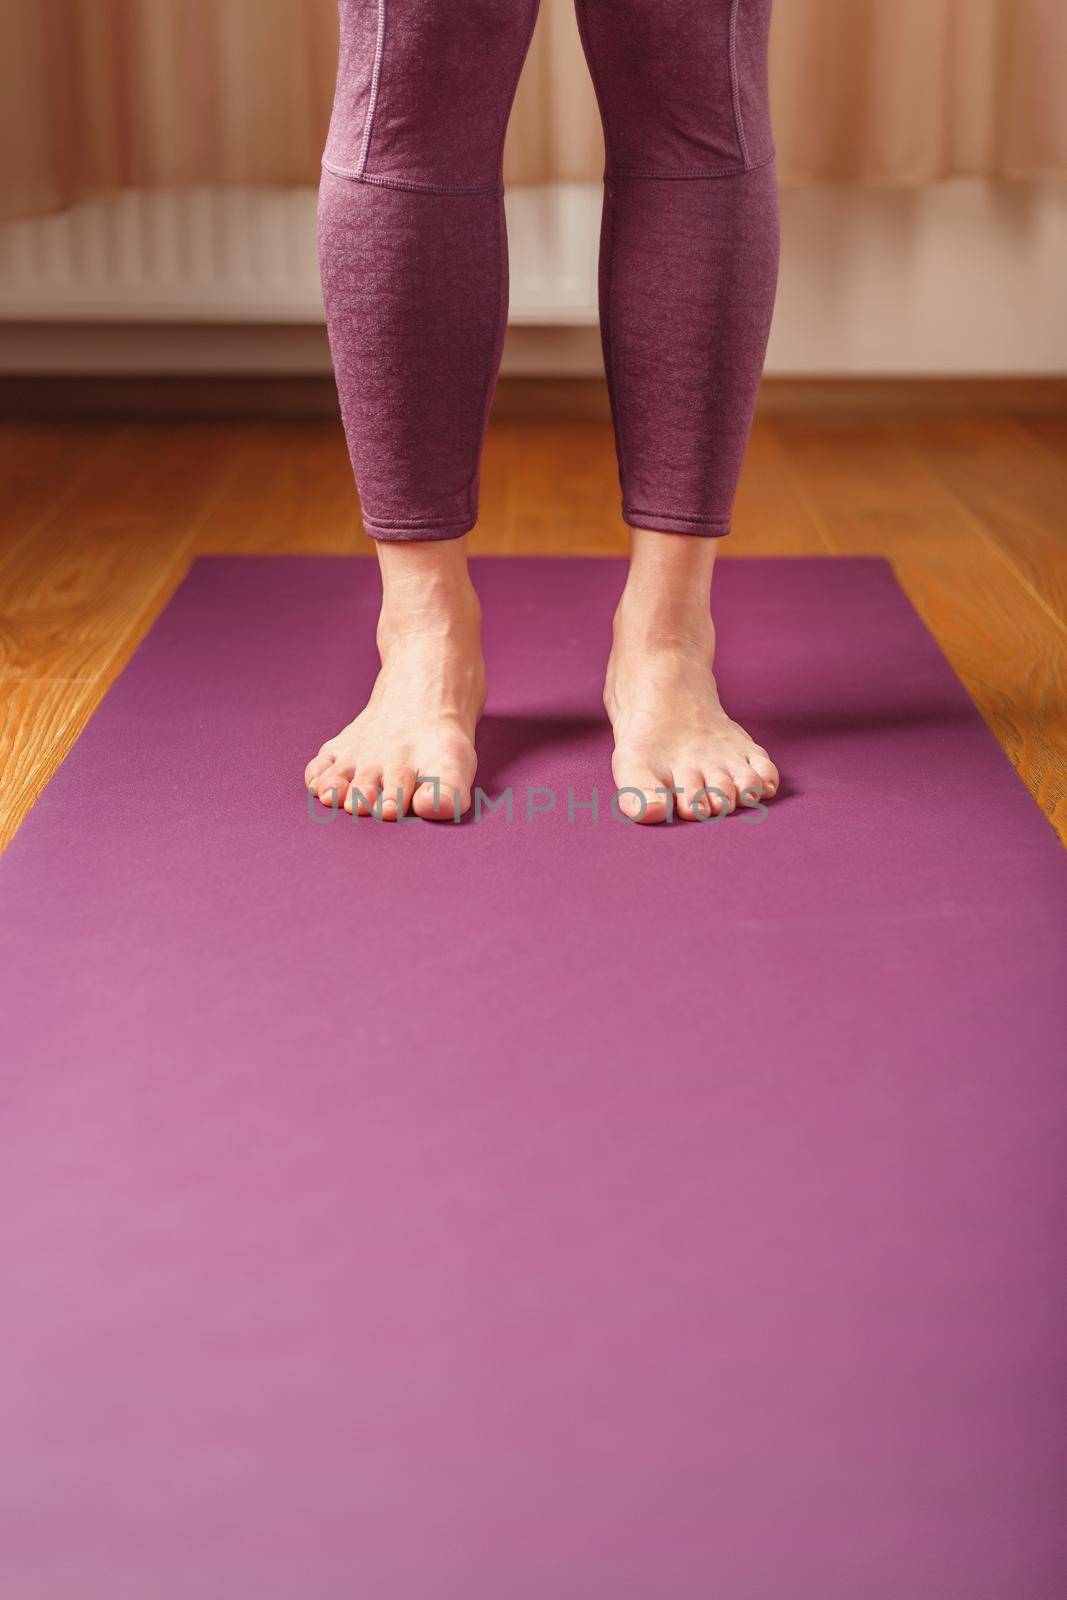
(537, 1210)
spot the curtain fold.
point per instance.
(97, 95)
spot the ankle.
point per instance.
(427, 589)
(451, 622)
(661, 620)
(667, 598)
(444, 606)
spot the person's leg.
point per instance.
(689, 257)
(413, 253)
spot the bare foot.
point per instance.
(671, 732)
(425, 704)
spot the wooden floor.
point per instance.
(100, 521)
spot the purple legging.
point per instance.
(413, 247)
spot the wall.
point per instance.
(958, 278)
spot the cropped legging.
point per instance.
(413, 247)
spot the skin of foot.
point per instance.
(422, 714)
(671, 732)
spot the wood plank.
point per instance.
(1010, 657)
(503, 451)
(68, 596)
(771, 517)
(1050, 433)
(865, 486)
(39, 722)
(41, 465)
(873, 496)
(559, 494)
(288, 489)
(1015, 489)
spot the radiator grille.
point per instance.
(249, 255)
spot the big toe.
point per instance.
(641, 793)
(315, 768)
(331, 786)
(441, 801)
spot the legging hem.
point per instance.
(666, 522)
(390, 533)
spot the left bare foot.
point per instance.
(420, 720)
(671, 732)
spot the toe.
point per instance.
(315, 768)
(749, 785)
(636, 788)
(761, 763)
(719, 791)
(447, 771)
(692, 805)
(363, 792)
(323, 779)
(441, 801)
(331, 786)
(398, 786)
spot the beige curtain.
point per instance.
(100, 94)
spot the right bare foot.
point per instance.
(420, 719)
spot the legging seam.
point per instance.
(497, 349)
(609, 205)
(695, 173)
(381, 181)
(488, 397)
(372, 103)
(620, 444)
(735, 86)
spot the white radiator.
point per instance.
(249, 256)
(227, 281)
